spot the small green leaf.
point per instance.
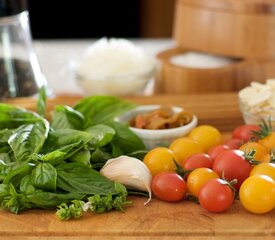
(102, 134)
(12, 117)
(76, 177)
(28, 139)
(41, 101)
(26, 186)
(66, 117)
(102, 109)
(74, 210)
(44, 177)
(49, 200)
(125, 139)
(83, 156)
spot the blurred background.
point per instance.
(64, 19)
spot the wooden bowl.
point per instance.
(243, 28)
(174, 79)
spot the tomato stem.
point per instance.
(192, 198)
(250, 157)
(180, 170)
(231, 184)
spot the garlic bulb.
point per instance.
(129, 171)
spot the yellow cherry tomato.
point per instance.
(159, 160)
(267, 169)
(207, 136)
(268, 141)
(184, 147)
(260, 151)
(197, 178)
(257, 194)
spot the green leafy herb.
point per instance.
(100, 204)
(74, 210)
(66, 117)
(41, 102)
(28, 139)
(48, 164)
(102, 134)
(82, 156)
(12, 117)
(102, 109)
(50, 200)
(44, 177)
(96, 204)
(75, 177)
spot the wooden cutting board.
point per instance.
(156, 220)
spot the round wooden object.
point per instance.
(237, 28)
(174, 79)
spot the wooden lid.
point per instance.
(236, 6)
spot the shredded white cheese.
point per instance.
(107, 58)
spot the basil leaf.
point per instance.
(12, 117)
(63, 137)
(5, 135)
(125, 141)
(102, 134)
(83, 157)
(77, 178)
(6, 156)
(13, 201)
(4, 170)
(102, 109)
(44, 177)
(41, 101)
(17, 172)
(25, 185)
(4, 190)
(49, 200)
(28, 139)
(66, 117)
(99, 157)
(62, 153)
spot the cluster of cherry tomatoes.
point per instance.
(202, 166)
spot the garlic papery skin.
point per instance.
(129, 171)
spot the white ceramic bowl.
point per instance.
(154, 138)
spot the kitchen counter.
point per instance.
(158, 219)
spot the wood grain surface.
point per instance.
(242, 28)
(156, 220)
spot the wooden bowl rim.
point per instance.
(242, 6)
(164, 58)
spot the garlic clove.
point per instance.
(129, 171)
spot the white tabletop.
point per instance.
(57, 56)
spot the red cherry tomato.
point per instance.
(244, 132)
(216, 196)
(214, 151)
(234, 143)
(198, 160)
(231, 164)
(169, 186)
